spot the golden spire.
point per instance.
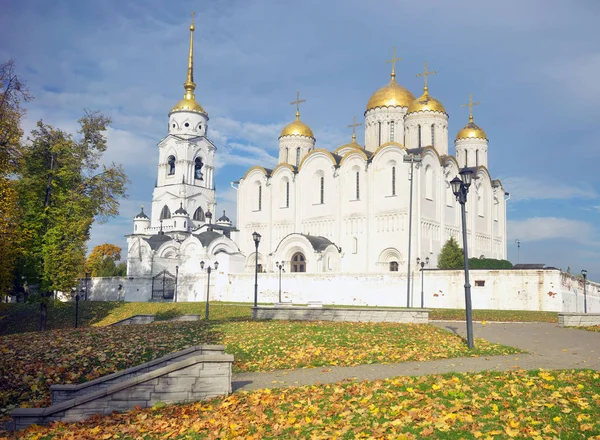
(354, 125)
(425, 74)
(297, 104)
(393, 61)
(471, 104)
(189, 84)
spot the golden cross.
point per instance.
(193, 13)
(297, 103)
(425, 74)
(354, 125)
(393, 61)
(471, 104)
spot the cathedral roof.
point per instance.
(318, 243)
(181, 210)
(471, 131)
(426, 103)
(207, 237)
(157, 240)
(297, 128)
(224, 218)
(142, 214)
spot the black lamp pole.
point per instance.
(422, 264)
(256, 237)
(76, 310)
(460, 188)
(412, 159)
(280, 267)
(176, 282)
(584, 273)
(208, 271)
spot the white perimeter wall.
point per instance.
(548, 290)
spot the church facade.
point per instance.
(347, 210)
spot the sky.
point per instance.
(533, 65)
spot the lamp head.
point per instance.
(256, 237)
(426, 260)
(418, 260)
(467, 176)
(456, 183)
(202, 264)
(216, 265)
(584, 273)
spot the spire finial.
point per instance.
(189, 84)
(393, 61)
(425, 74)
(354, 125)
(471, 104)
(297, 104)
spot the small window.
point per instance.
(198, 168)
(287, 194)
(171, 165)
(259, 268)
(298, 156)
(393, 181)
(199, 215)
(200, 127)
(393, 266)
(322, 197)
(476, 158)
(433, 135)
(479, 283)
(259, 197)
(392, 131)
(173, 125)
(358, 185)
(379, 135)
(419, 134)
(187, 124)
(165, 213)
(298, 262)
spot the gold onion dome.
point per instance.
(391, 95)
(189, 103)
(471, 131)
(426, 103)
(297, 128)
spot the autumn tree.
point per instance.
(13, 92)
(103, 260)
(451, 256)
(63, 189)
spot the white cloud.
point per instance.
(548, 228)
(526, 188)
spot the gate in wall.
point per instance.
(163, 285)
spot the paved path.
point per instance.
(548, 346)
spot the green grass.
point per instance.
(494, 315)
(491, 405)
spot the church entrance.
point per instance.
(163, 286)
(298, 262)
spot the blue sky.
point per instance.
(533, 64)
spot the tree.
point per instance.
(63, 189)
(13, 92)
(102, 262)
(451, 256)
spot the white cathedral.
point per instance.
(320, 211)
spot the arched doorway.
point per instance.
(298, 262)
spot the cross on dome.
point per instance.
(297, 103)
(393, 61)
(425, 74)
(471, 104)
(354, 125)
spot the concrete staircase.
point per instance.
(197, 373)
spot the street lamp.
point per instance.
(412, 159)
(208, 271)
(422, 263)
(280, 267)
(75, 295)
(460, 188)
(584, 273)
(256, 237)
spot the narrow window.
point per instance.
(287, 194)
(476, 158)
(298, 156)
(433, 135)
(419, 134)
(379, 134)
(393, 266)
(165, 213)
(322, 190)
(466, 158)
(357, 185)
(198, 169)
(259, 197)
(393, 181)
(171, 163)
(392, 131)
(355, 245)
(199, 214)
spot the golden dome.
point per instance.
(297, 128)
(189, 105)
(426, 103)
(471, 131)
(391, 95)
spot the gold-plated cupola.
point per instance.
(392, 94)
(471, 130)
(297, 127)
(426, 102)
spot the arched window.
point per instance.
(392, 131)
(428, 183)
(287, 194)
(259, 268)
(379, 134)
(466, 158)
(259, 197)
(199, 214)
(433, 135)
(198, 168)
(393, 266)
(322, 190)
(298, 262)
(171, 163)
(476, 158)
(165, 213)
(393, 181)
(358, 185)
(419, 135)
(298, 156)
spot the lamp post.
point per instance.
(280, 267)
(75, 294)
(422, 263)
(584, 273)
(518, 250)
(256, 237)
(176, 283)
(208, 271)
(460, 188)
(412, 159)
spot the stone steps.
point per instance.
(197, 373)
